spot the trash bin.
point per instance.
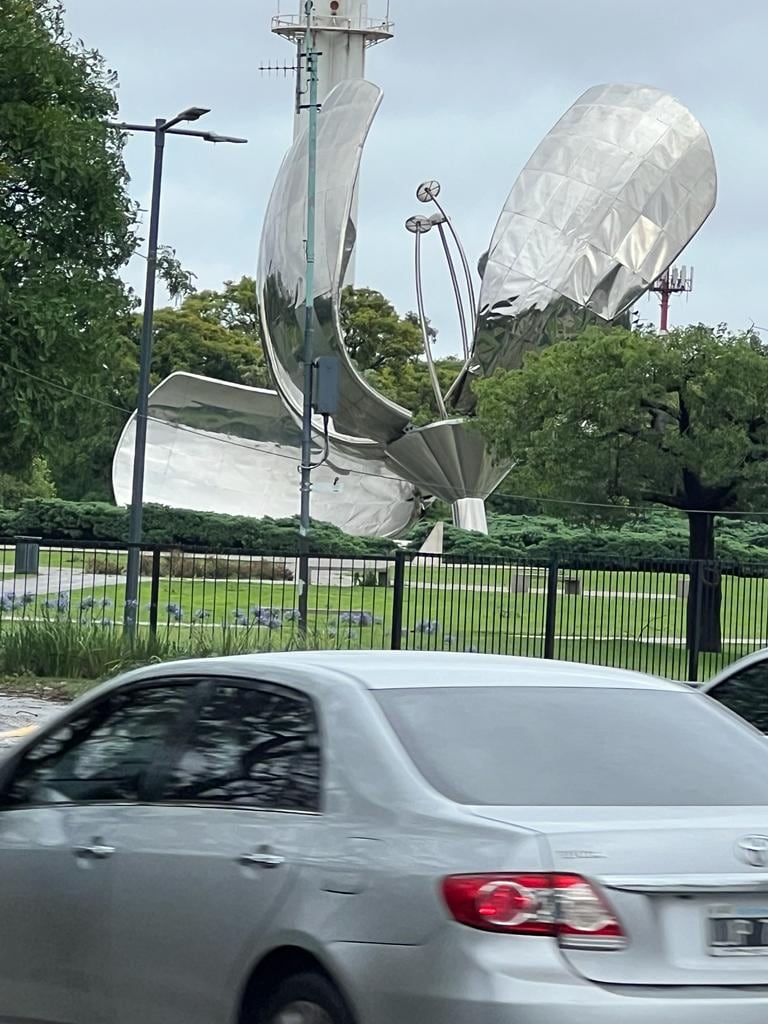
(27, 558)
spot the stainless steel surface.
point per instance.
(455, 283)
(450, 459)
(606, 203)
(170, 931)
(469, 514)
(425, 339)
(222, 447)
(365, 419)
(429, 192)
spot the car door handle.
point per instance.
(263, 859)
(97, 852)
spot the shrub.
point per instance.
(656, 537)
(55, 519)
(179, 565)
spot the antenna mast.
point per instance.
(676, 281)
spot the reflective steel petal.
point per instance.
(365, 418)
(607, 202)
(218, 447)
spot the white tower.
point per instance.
(344, 31)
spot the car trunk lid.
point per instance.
(689, 886)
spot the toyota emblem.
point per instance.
(753, 850)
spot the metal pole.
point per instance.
(664, 310)
(309, 322)
(142, 408)
(425, 333)
(473, 311)
(456, 291)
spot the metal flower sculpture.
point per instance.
(604, 206)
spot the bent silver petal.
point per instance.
(219, 447)
(604, 206)
(365, 419)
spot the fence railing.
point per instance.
(679, 619)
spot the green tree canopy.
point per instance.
(65, 222)
(678, 420)
(617, 417)
(212, 333)
(375, 336)
(411, 387)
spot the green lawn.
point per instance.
(628, 619)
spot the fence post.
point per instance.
(154, 599)
(693, 623)
(398, 596)
(551, 612)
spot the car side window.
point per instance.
(250, 746)
(746, 693)
(101, 754)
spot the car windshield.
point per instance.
(578, 746)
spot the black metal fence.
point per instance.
(678, 619)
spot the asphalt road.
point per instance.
(20, 714)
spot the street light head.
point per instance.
(213, 137)
(192, 114)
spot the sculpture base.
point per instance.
(469, 514)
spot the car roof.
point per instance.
(734, 667)
(377, 670)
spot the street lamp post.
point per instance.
(311, 56)
(160, 129)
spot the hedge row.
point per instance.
(660, 537)
(57, 520)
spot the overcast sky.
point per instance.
(470, 89)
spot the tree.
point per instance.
(410, 385)
(375, 336)
(214, 334)
(65, 223)
(35, 483)
(236, 307)
(617, 417)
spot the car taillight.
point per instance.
(565, 907)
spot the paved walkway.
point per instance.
(56, 581)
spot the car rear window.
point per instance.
(578, 746)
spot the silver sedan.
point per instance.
(364, 838)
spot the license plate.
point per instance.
(742, 935)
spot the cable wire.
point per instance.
(223, 439)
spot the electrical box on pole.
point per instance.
(325, 396)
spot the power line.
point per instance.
(375, 476)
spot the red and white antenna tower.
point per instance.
(676, 281)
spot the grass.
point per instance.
(453, 607)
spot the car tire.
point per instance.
(305, 999)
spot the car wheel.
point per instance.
(305, 999)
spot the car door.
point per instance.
(59, 802)
(746, 693)
(204, 868)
